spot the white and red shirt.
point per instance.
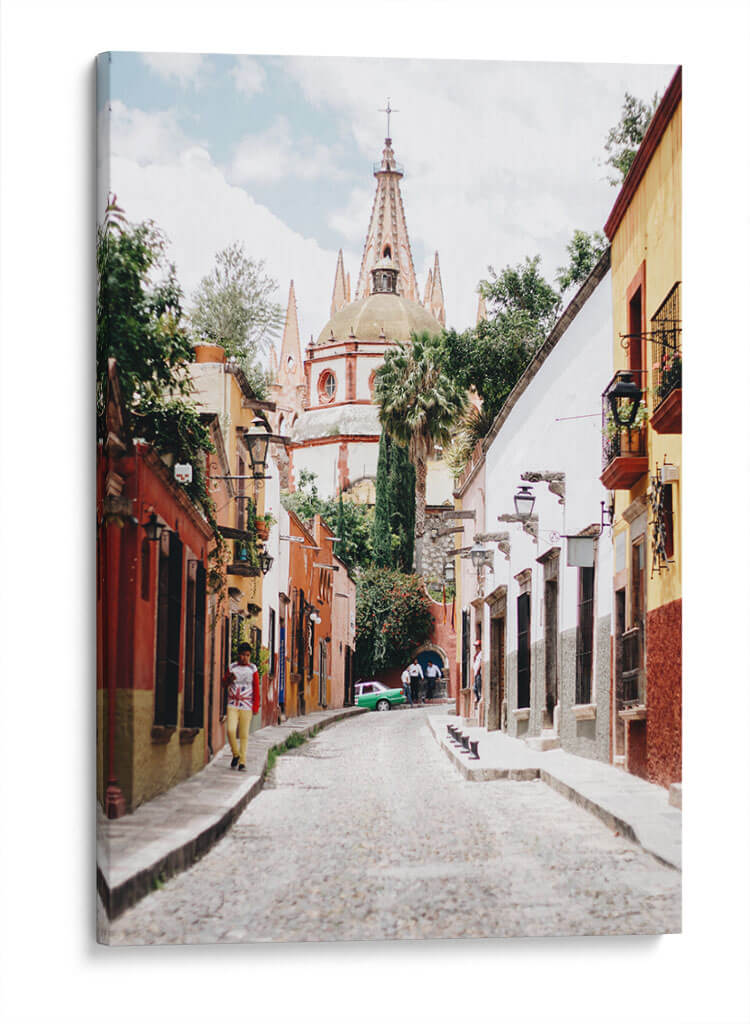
(244, 689)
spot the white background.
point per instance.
(51, 968)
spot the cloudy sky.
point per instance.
(502, 160)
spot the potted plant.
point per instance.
(625, 440)
(263, 525)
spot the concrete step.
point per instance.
(543, 742)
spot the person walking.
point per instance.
(433, 673)
(415, 675)
(243, 701)
(477, 666)
(406, 683)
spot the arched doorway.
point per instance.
(435, 654)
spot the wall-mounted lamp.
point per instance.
(624, 398)
(449, 572)
(257, 442)
(481, 555)
(153, 528)
(524, 500)
(266, 561)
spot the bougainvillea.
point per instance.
(393, 618)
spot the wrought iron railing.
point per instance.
(666, 347)
(618, 441)
(631, 666)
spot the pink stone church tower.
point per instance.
(325, 403)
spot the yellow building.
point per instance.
(221, 389)
(642, 461)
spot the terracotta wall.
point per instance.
(664, 689)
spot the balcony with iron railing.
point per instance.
(666, 361)
(624, 449)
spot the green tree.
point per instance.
(393, 526)
(139, 323)
(381, 528)
(350, 521)
(419, 408)
(401, 499)
(624, 139)
(584, 251)
(233, 307)
(393, 618)
(490, 357)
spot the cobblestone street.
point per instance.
(367, 832)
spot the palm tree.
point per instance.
(419, 407)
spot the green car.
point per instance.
(376, 697)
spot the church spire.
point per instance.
(434, 300)
(387, 236)
(481, 309)
(290, 359)
(340, 297)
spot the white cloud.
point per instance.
(187, 69)
(249, 76)
(146, 137)
(500, 158)
(190, 198)
(273, 155)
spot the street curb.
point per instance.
(116, 899)
(531, 773)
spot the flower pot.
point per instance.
(261, 529)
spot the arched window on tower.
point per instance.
(387, 252)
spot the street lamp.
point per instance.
(257, 443)
(266, 561)
(153, 528)
(449, 572)
(624, 399)
(524, 500)
(480, 555)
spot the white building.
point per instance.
(545, 625)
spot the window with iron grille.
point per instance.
(585, 635)
(168, 621)
(666, 346)
(195, 646)
(523, 672)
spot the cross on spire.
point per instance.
(388, 110)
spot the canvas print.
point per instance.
(389, 410)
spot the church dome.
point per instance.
(378, 315)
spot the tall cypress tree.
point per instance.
(401, 486)
(381, 527)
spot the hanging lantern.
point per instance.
(153, 528)
(266, 561)
(449, 572)
(624, 399)
(524, 501)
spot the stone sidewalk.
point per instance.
(172, 831)
(636, 809)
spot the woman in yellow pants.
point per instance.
(243, 701)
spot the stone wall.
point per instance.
(436, 552)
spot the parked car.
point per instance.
(376, 696)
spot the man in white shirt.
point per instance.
(415, 674)
(433, 674)
(406, 683)
(243, 701)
